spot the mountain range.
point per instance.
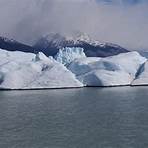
(51, 43)
(12, 45)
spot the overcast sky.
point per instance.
(124, 22)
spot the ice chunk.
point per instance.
(67, 55)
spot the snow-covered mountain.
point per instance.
(50, 45)
(12, 45)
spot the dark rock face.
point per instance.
(12, 45)
(101, 51)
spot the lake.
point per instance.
(75, 118)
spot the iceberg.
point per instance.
(68, 54)
(111, 71)
(20, 70)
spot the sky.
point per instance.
(124, 22)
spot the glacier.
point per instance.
(20, 70)
(68, 54)
(110, 71)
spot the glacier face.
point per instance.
(68, 54)
(111, 71)
(20, 70)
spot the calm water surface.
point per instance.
(75, 118)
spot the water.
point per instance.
(75, 118)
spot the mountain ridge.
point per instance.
(13, 45)
(50, 45)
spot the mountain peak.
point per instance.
(79, 36)
(51, 43)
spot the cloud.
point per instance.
(27, 20)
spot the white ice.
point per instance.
(111, 71)
(68, 54)
(20, 70)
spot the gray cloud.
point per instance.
(27, 20)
